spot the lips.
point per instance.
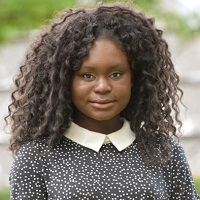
(102, 103)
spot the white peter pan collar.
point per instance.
(121, 139)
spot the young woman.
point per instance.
(94, 112)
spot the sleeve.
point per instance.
(182, 182)
(26, 177)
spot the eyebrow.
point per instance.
(93, 68)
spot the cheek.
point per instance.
(124, 91)
(79, 90)
(127, 89)
(128, 94)
(74, 91)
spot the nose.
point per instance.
(102, 86)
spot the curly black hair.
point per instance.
(41, 105)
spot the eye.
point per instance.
(88, 76)
(116, 75)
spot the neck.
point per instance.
(100, 126)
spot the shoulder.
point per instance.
(31, 151)
(32, 147)
(26, 161)
(177, 149)
(182, 181)
(178, 157)
(40, 148)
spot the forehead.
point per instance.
(105, 52)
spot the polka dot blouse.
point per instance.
(72, 171)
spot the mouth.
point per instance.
(102, 103)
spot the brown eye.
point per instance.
(88, 76)
(116, 75)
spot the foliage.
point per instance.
(20, 15)
(172, 21)
(23, 15)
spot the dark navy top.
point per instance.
(71, 171)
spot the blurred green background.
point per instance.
(23, 15)
(18, 17)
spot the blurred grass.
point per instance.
(197, 184)
(4, 194)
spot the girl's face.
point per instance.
(101, 88)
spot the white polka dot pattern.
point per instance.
(71, 171)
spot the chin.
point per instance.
(104, 118)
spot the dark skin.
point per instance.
(101, 88)
(103, 126)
